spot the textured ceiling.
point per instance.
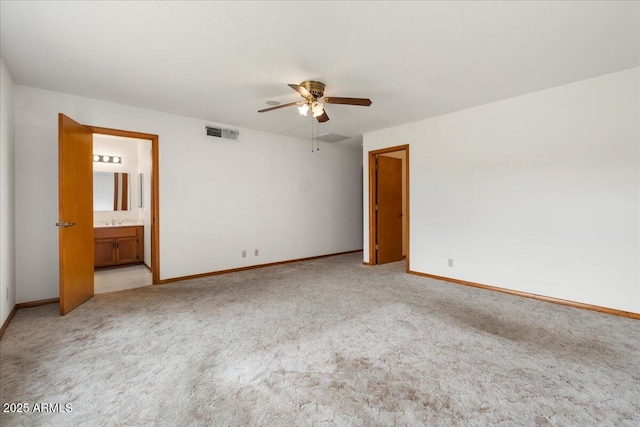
(221, 61)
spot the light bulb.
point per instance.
(105, 158)
(303, 109)
(116, 160)
(96, 158)
(317, 108)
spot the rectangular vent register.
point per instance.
(223, 133)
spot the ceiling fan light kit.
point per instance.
(313, 91)
(317, 108)
(303, 109)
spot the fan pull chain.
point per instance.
(316, 146)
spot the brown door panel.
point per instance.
(389, 213)
(105, 252)
(127, 250)
(75, 198)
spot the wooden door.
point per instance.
(75, 207)
(389, 217)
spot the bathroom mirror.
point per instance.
(111, 191)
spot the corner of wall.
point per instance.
(7, 194)
(638, 116)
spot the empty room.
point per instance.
(288, 213)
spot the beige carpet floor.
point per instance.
(323, 342)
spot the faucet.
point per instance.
(113, 222)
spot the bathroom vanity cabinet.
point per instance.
(118, 245)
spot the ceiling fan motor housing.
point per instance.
(315, 88)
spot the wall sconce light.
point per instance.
(106, 159)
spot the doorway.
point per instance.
(121, 213)
(389, 205)
(154, 193)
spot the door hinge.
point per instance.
(376, 166)
(376, 247)
(376, 207)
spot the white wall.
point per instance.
(7, 195)
(538, 193)
(217, 197)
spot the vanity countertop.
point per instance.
(118, 223)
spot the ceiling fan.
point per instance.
(313, 93)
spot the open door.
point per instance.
(389, 218)
(75, 190)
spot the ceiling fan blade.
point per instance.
(348, 101)
(281, 106)
(301, 90)
(322, 117)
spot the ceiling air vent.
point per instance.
(222, 133)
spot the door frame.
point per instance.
(155, 192)
(373, 186)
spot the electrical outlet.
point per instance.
(450, 262)
(244, 254)
(256, 252)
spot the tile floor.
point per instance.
(113, 279)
